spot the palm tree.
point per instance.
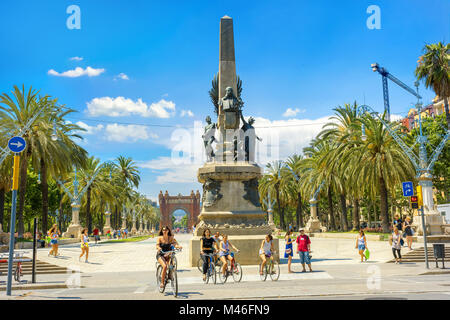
(294, 162)
(5, 185)
(276, 183)
(380, 162)
(128, 170)
(15, 113)
(434, 68)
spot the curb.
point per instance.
(37, 287)
(428, 273)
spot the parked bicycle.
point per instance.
(171, 274)
(235, 270)
(18, 260)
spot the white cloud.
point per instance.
(395, 117)
(293, 112)
(127, 133)
(76, 58)
(77, 72)
(122, 76)
(186, 113)
(172, 172)
(90, 129)
(120, 106)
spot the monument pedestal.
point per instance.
(231, 206)
(74, 229)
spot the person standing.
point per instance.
(398, 222)
(304, 249)
(288, 253)
(84, 245)
(361, 244)
(394, 240)
(408, 232)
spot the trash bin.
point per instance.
(439, 253)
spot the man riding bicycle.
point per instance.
(208, 246)
(164, 246)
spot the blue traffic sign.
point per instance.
(17, 144)
(408, 189)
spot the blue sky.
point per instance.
(308, 56)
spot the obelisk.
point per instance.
(230, 200)
(227, 62)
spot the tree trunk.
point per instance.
(2, 208)
(447, 113)
(280, 212)
(356, 225)
(330, 209)
(384, 205)
(44, 190)
(344, 222)
(88, 210)
(22, 189)
(299, 212)
(369, 218)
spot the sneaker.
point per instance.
(85, 261)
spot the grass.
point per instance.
(134, 239)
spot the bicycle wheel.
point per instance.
(263, 276)
(213, 272)
(237, 272)
(218, 267)
(275, 271)
(158, 279)
(174, 262)
(174, 282)
(17, 274)
(200, 264)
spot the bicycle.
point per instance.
(211, 272)
(174, 262)
(235, 270)
(18, 259)
(171, 274)
(272, 268)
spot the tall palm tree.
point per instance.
(275, 182)
(294, 162)
(380, 162)
(15, 113)
(434, 68)
(128, 170)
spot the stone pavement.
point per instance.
(127, 271)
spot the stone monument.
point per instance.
(230, 200)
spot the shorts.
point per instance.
(85, 245)
(304, 257)
(267, 254)
(53, 241)
(361, 247)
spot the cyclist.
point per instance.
(224, 252)
(266, 251)
(163, 244)
(54, 234)
(208, 245)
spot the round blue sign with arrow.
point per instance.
(17, 144)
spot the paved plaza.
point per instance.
(127, 271)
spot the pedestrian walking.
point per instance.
(394, 241)
(84, 245)
(408, 232)
(54, 234)
(96, 234)
(398, 222)
(288, 253)
(361, 244)
(304, 249)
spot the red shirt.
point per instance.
(303, 242)
(95, 232)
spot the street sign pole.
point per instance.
(12, 228)
(33, 274)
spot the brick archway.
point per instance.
(168, 204)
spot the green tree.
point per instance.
(434, 69)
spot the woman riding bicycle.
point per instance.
(266, 251)
(208, 246)
(163, 245)
(224, 252)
